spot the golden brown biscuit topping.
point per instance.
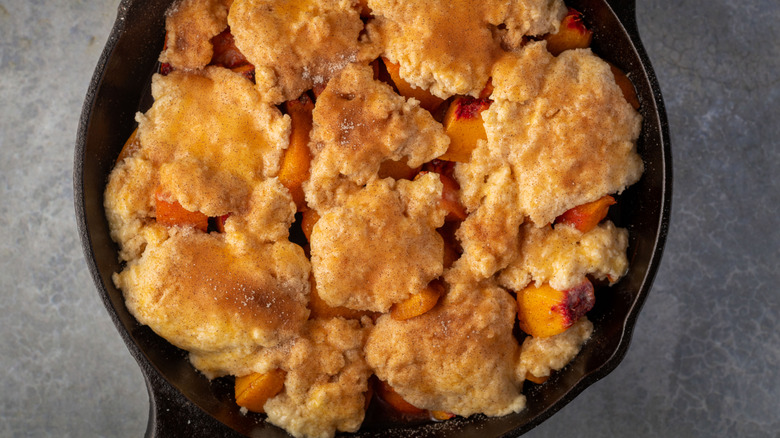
(189, 27)
(381, 247)
(359, 123)
(295, 44)
(460, 357)
(212, 137)
(198, 293)
(449, 47)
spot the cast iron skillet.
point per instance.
(184, 403)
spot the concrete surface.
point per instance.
(706, 351)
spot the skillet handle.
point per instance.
(163, 409)
(625, 11)
(171, 414)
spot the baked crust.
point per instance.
(296, 44)
(359, 123)
(559, 135)
(571, 143)
(449, 47)
(190, 25)
(326, 383)
(541, 356)
(381, 246)
(460, 357)
(210, 144)
(563, 256)
(203, 296)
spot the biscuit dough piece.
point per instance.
(212, 138)
(448, 47)
(358, 124)
(327, 377)
(129, 204)
(528, 17)
(190, 25)
(519, 76)
(381, 247)
(459, 357)
(540, 356)
(559, 134)
(564, 255)
(488, 236)
(203, 296)
(571, 143)
(295, 44)
(266, 218)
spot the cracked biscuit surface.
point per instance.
(209, 144)
(559, 135)
(359, 123)
(203, 296)
(381, 246)
(326, 383)
(212, 138)
(296, 44)
(564, 255)
(460, 357)
(541, 356)
(449, 47)
(570, 143)
(189, 27)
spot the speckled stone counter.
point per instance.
(705, 359)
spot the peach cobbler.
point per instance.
(344, 203)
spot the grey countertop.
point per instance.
(705, 358)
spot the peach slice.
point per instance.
(318, 88)
(571, 35)
(397, 170)
(538, 380)
(543, 311)
(165, 68)
(442, 415)
(168, 212)
(395, 401)
(586, 217)
(294, 170)
(418, 303)
(626, 86)
(440, 166)
(487, 91)
(463, 124)
(388, 394)
(308, 219)
(449, 199)
(253, 390)
(405, 89)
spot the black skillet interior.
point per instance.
(184, 403)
